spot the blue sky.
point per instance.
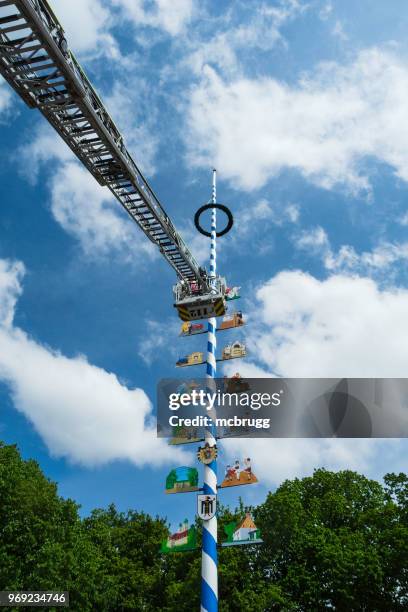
(301, 106)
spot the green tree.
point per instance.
(193, 477)
(331, 541)
(128, 544)
(41, 535)
(336, 540)
(171, 479)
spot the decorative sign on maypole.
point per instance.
(237, 474)
(244, 532)
(184, 539)
(184, 435)
(206, 506)
(182, 480)
(206, 454)
(232, 293)
(235, 384)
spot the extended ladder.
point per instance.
(36, 61)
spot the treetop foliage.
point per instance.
(333, 540)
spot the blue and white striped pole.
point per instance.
(209, 563)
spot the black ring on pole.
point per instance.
(220, 207)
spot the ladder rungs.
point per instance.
(17, 51)
(10, 18)
(15, 28)
(45, 85)
(34, 60)
(54, 94)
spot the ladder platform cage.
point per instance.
(197, 300)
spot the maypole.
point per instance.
(209, 562)
(198, 300)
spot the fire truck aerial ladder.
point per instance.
(36, 61)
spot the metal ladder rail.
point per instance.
(35, 66)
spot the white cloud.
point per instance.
(338, 30)
(260, 212)
(10, 290)
(87, 24)
(171, 16)
(89, 213)
(325, 11)
(347, 259)
(314, 238)
(45, 146)
(293, 212)
(255, 218)
(83, 208)
(155, 343)
(325, 126)
(5, 98)
(380, 258)
(338, 327)
(220, 51)
(82, 412)
(135, 113)
(275, 460)
(404, 220)
(231, 35)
